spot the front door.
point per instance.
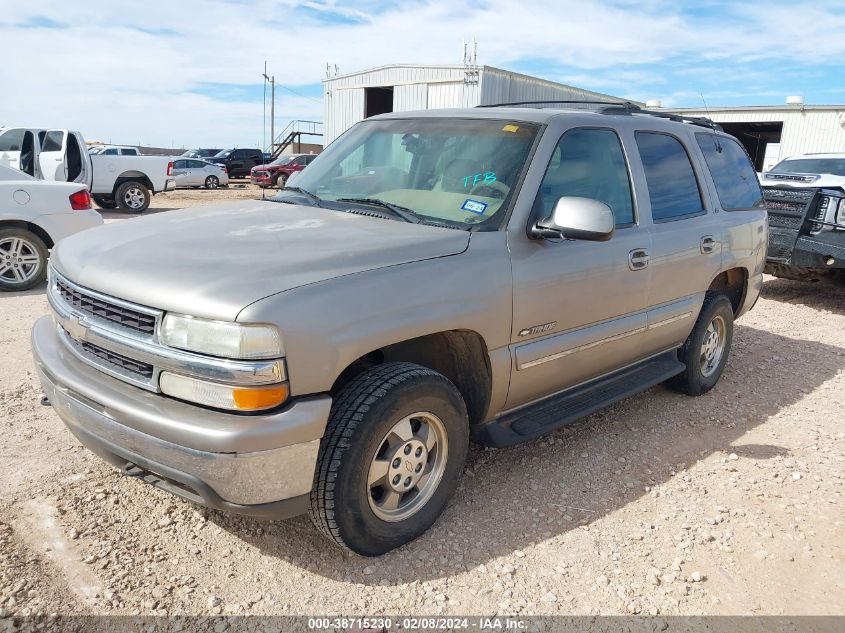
(53, 156)
(579, 307)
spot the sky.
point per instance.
(188, 74)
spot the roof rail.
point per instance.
(619, 107)
(550, 101)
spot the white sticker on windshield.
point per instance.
(474, 206)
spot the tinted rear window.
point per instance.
(736, 181)
(672, 186)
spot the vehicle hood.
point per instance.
(213, 261)
(777, 179)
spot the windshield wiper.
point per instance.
(409, 215)
(314, 198)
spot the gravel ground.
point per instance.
(730, 503)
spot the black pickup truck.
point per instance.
(806, 233)
(238, 161)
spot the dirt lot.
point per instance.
(731, 503)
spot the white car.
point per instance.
(808, 170)
(128, 182)
(195, 172)
(114, 150)
(34, 216)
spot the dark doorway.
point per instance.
(755, 137)
(377, 101)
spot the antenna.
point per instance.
(474, 51)
(716, 143)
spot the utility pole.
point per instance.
(272, 81)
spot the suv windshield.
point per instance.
(461, 171)
(835, 166)
(282, 160)
(224, 154)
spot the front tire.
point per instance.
(390, 459)
(281, 181)
(705, 352)
(23, 260)
(133, 197)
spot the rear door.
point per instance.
(686, 251)
(180, 172)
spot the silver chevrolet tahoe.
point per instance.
(433, 277)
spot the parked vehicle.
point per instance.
(34, 215)
(201, 153)
(238, 161)
(276, 174)
(114, 150)
(805, 196)
(193, 172)
(491, 273)
(128, 182)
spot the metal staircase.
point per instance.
(292, 134)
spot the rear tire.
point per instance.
(391, 457)
(133, 197)
(105, 202)
(23, 260)
(705, 352)
(212, 182)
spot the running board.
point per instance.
(538, 419)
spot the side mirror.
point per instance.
(578, 219)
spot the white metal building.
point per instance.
(772, 133)
(399, 88)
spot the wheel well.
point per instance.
(134, 177)
(29, 226)
(731, 283)
(460, 355)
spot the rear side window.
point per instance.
(672, 187)
(734, 176)
(589, 163)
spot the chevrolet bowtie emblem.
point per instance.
(76, 327)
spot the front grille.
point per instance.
(95, 306)
(138, 368)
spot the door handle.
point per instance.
(638, 259)
(708, 244)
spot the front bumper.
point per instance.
(258, 465)
(262, 178)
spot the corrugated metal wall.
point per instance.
(434, 87)
(499, 86)
(804, 131)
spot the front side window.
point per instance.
(53, 141)
(459, 171)
(672, 186)
(589, 163)
(109, 152)
(733, 174)
(11, 140)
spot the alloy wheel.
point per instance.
(713, 346)
(19, 260)
(407, 467)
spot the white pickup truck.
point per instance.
(128, 182)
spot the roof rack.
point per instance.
(540, 102)
(619, 107)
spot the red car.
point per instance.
(276, 174)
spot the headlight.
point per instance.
(840, 214)
(221, 338)
(219, 396)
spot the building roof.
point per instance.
(764, 108)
